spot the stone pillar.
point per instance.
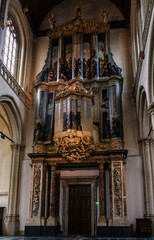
(118, 213)
(52, 220)
(147, 145)
(37, 195)
(11, 224)
(47, 192)
(149, 192)
(102, 218)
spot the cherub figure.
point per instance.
(52, 22)
(78, 10)
(105, 17)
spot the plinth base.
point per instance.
(113, 231)
(38, 231)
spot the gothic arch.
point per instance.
(143, 114)
(14, 117)
(146, 144)
(11, 225)
(150, 70)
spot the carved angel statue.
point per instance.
(105, 16)
(52, 22)
(78, 11)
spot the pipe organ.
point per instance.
(78, 122)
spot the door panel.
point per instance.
(80, 209)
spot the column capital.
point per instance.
(151, 108)
(146, 141)
(2, 25)
(17, 146)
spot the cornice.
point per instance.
(11, 81)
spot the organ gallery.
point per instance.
(78, 159)
(77, 118)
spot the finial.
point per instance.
(52, 21)
(78, 10)
(105, 16)
(25, 9)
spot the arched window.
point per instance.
(11, 47)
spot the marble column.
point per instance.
(149, 191)
(37, 195)
(118, 213)
(52, 220)
(102, 218)
(57, 194)
(11, 224)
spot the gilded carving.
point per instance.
(78, 24)
(36, 190)
(110, 144)
(105, 17)
(39, 148)
(52, 22)
(74, 148)
(78, 11)
(75, 87)
(117, 189)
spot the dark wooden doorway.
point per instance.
(79, 209)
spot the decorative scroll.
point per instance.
(117, 189)
(36, 190)
(52, 22)
(74, 148)
(76, 25)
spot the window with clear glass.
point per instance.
(10, 48)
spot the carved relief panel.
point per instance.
(36, 198)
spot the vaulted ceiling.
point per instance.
(38, 9)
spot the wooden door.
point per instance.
(80, 209)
